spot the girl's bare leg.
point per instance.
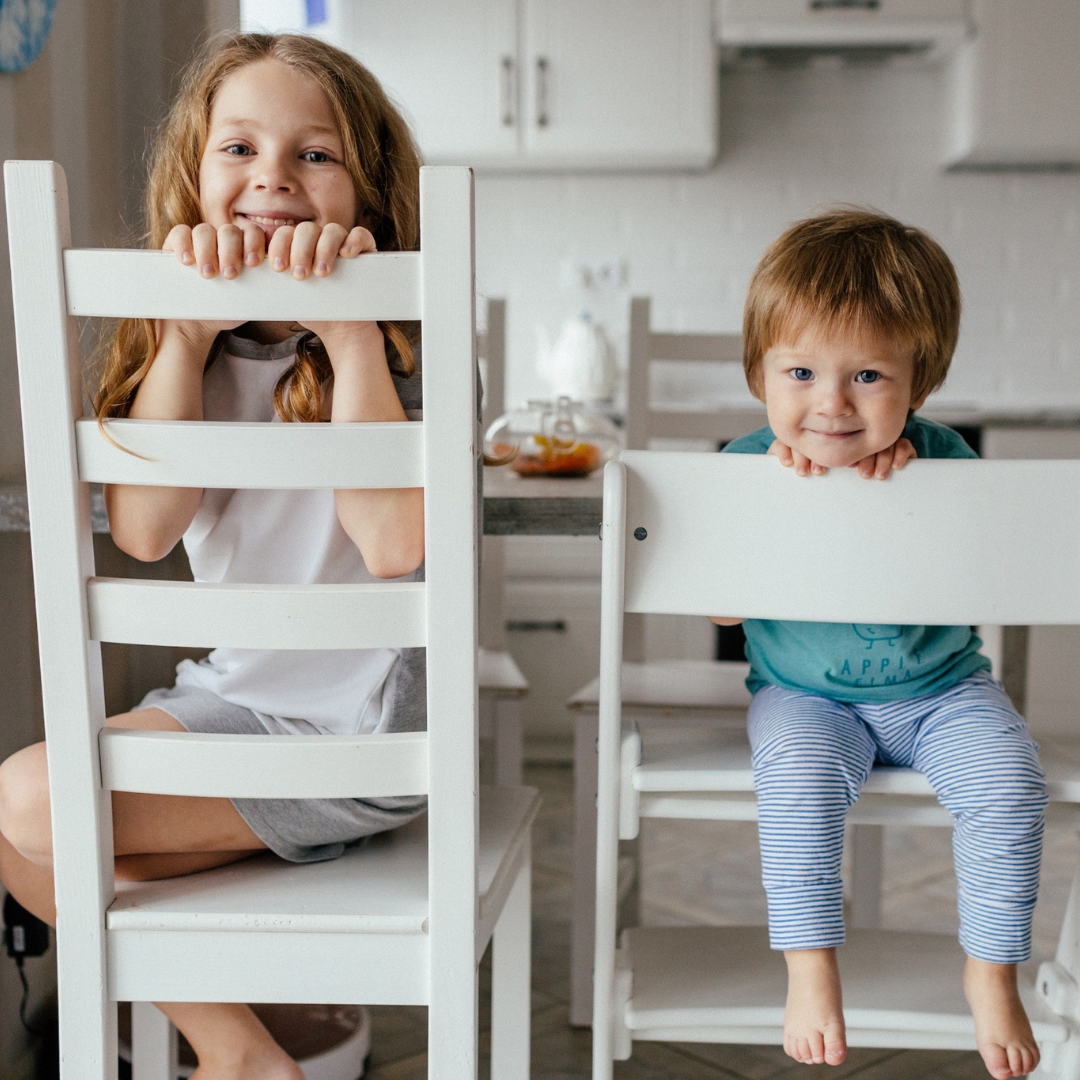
(155, 836)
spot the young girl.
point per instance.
(851, 321)
(281, 149)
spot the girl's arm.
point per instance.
(386, 524)
(147, 522)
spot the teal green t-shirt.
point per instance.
(846, 662)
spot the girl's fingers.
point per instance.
(230, 250)
(357, 242)
(302, 252)
(331, 241)
(281, 247)
(179, 242)
(254, 245)
(204, 241)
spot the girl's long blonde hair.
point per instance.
(380, 156)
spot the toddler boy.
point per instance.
(851, 321)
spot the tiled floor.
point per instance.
(707, 872)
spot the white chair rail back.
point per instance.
(76, 610)
(740, 535)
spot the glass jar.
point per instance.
(560, 438)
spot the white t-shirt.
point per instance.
(291, 537)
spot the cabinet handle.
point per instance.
(542, 68)
(506, 91)
(845, 5)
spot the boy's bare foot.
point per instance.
(1002, 1031)
(814, 1031)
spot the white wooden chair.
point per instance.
(502, 684)
(403, 920)
(704, 533)
(662, 693)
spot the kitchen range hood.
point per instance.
(789, 31)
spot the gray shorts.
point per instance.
(300, 830)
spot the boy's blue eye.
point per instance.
(317, 157)
(803, 374)
(868, 376)
(238, 150)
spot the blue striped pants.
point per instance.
(811, 758)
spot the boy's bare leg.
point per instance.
(814, 1032)
(155, 836)
(1002, 1031)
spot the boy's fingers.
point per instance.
(904, 453)
(230, 250)
(781, 452)
(280, 247)
(179, 242)
(329, 244)
(883, 465)
(254, 245)
(357, 242)
(204, 242)
(802, 463)
(302, 253)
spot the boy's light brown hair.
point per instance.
(853, 270)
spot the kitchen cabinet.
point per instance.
(1016, 86)
(545, 84)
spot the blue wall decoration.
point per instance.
(315, 12)
(24, 26)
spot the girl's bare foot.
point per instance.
(814, 1031)
(1002, 1031)
(231, 1043)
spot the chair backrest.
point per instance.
(52, 285)
(643, 422)
(941, 543)
(491, 350)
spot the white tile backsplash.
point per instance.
(794, 141)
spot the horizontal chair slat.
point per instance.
(696, 347)
(180, 453)
(154, 285)
(194, 615)
(264, 766)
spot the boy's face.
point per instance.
(835, 396)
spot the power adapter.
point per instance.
(24, 935)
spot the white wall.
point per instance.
(794, 141)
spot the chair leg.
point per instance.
(511, 982)
(509, 742)
(867, 842)
(583, 929)
(153, 1043)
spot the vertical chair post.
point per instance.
(154, 1043)
(511, 982)
(450, 506)
(607, 801)
(63, 555)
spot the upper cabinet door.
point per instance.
(452, 68)
(619, 83)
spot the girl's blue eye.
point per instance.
(803, 374)
(868, 376)
(238, 150)
(317, 157)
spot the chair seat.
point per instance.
(724, 984)
(498, 673)
(705, 773)
(344, 913)
(677, 687)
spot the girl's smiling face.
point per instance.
(274, 155)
